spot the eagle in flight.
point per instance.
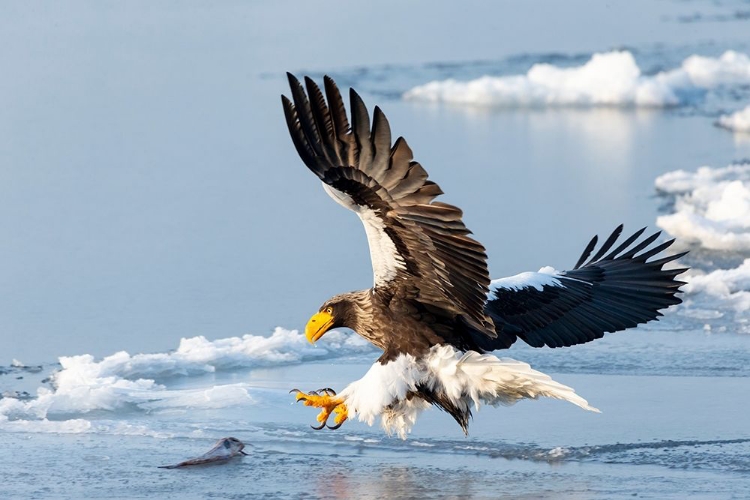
(433, 309)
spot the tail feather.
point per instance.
(504, 381)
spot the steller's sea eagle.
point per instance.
(433, 309)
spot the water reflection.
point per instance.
(491, 479)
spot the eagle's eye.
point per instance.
(329, 310)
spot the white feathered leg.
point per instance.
(464, 378)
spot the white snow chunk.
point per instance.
(607, 79)
(711, 206)
(121, 380)
(717, 294)
(739, 121)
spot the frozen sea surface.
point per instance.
(149, 193)
(671, 425)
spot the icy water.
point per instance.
(149, 193)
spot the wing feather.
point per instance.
(610, 292)
(417, 245)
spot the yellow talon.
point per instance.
(328, 404)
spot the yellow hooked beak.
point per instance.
(318, 325)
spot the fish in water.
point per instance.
(223, 450)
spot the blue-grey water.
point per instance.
(149, 192)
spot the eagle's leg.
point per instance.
(325, 400)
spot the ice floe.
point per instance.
(711, 206)
(124, 381)
(719, 299)
(607, 79)
(199, 355)
(712, 211)
(739, 121)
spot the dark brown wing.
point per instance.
(608, 293)
(419, 247)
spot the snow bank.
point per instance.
(124, 381)
(711, 206)
(607, 79)
(738, 121)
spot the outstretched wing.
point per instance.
(418, 246)
(608, 293)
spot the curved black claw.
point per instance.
(328, 391)
(334, 427)
(301, 399)
(321, 426)
(294, 390)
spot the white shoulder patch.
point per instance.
(386, 261)
(465, 378)
(547, 276)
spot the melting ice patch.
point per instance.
(607, 79)
(738, 121)
(121, 380)
(711, 206)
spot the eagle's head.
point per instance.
(336, 312)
